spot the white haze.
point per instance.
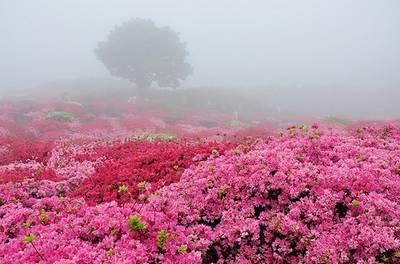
(314, 56)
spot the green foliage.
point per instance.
(314, 136)
(361, 130)
(135, 224)
(142, 185)
(43, 217)
(222, 192)
(29, 239)
(303, 128)
(154, 136)
(162, 239)
(182, 249)
(25, 225)
(109, 252)
(122, 189)
(60, 116)
(355, 203)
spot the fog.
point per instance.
(316, 57)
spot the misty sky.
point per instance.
(342, 43)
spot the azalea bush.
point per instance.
(123, 188)
(310, 194)
(131, 168)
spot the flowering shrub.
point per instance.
(312, 195)
(16, 174)
(106, 187)
(20, 150)
(309, 195)
(127, 165)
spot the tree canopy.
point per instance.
(143, 53)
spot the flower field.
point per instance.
(114, 182)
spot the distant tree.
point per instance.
(143, 53)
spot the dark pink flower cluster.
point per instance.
(17, 149)
(127, 165)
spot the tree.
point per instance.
(143, 53)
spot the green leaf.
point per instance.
(162, 239)
(135, 224)
(29, 239)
